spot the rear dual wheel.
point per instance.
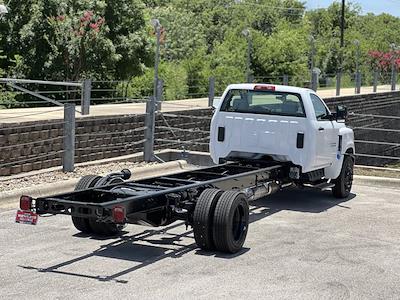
(90, 225)
(203, 218)
(88, 181)
(221, 220)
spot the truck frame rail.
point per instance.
(158, 200)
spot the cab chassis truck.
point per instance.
(263, 138)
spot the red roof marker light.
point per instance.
(264, 88)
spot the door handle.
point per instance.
(321, 128)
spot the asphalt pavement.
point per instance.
(301, 245)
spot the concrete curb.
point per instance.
(66, 186)
(376, 168)
(377, 181)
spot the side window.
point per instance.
(319, 107)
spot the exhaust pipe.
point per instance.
(262, 190)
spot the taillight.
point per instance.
(119, 214)
(264, 88)
(25, 203)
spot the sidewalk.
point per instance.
(19, 115)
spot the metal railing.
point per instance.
(146, 136)
(84, 88)
(95, 92)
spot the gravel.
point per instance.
(57, 176)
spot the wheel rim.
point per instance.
(238, 223)
(348, 178)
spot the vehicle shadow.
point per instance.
(302, 200)
(151, 246)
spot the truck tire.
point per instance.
(203, 218)
(105, 229)
(231, 222)
(88, 181)
(102, 228)
(344, 182)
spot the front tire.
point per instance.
(344, 182)
(231, 222)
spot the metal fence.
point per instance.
(66, 138)
(43, 93)
(24, 93)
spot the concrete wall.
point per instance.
(40, 144)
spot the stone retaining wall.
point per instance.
(38, 145)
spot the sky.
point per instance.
(377, 7)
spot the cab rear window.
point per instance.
(264, 102)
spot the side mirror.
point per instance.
(216, 102)
(341, 112)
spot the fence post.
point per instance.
(314, 80)
(86, 93)
(149, 121)
(69, 137)
(285, 79)
(375, 84)
(338, 82)
(211, 91)
(358, 82)
(160, 93)
(393, 78)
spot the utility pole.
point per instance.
(148, 149)
(339, 73)
(393, 77)
(312, 55)
(342, 24)
(157, 28)
(358, 74)
(247, 34)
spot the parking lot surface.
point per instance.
(300, 245)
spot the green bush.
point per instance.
(7, 99)
(175, 79)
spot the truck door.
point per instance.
(326, 134)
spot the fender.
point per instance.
(347, 140)
(346, 135)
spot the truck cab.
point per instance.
(282, 123)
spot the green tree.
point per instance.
(283, 52)
(69, 40)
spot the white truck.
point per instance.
(264, 138)
(285, 124)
